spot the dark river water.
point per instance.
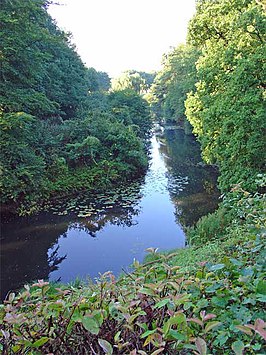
(87, 235)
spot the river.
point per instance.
(87, 235)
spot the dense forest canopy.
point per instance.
(217, 82)
(62, 130)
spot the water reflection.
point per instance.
(191, 184)
(24, 245)
(86, 235)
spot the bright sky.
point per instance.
(117, 35)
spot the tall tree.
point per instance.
(227, 110)
(41, 74)
(139, 82)
(174, 82)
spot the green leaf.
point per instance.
(106, 346)
(158, 351)
(162, 303)
(217, 267)
(261, 287)
(261, 298)
(147, 333)
(15, 348)
(91, 325)
(76, 317)
(215, 286)
(236, 262)
(98, 316)
(176, 320)
(244, 329)
(176, 335)
(212, 325)
(219, 301)
(117, 336)
(256, 346)
(238, 347)
(202, 303)
(147, 291)
(187, 305)
(40, 342)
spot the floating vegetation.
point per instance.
(88, 207)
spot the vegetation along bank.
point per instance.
(63, 128)
(208, 298)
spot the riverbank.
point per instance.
(99, 179)
(80, 236)
(201, 299)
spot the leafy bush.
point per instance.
(209, 227)
(39, 160)
(156, 308)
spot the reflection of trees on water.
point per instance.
(192, 186)
(30, 249)
(119, 217)
(24, 250)
(54, 260)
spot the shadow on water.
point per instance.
(88, 235)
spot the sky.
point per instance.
(117, 35)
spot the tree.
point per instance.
(139, 82)
(130, 108)
(61, 129)
(227, 110)
(174, 82)
(41, 74)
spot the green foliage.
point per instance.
(128, 107)
(98, 81)
(209, 227)
(161, 307)
(139, 82)
(227, 110)
(238, 207)
(62, 131)
(41, 74)
(22, 168)
(174, 82)
(40, 160)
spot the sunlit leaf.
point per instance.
(244, 329)
(91, 325)
(162, 303)
(238, 347)
(158, 351)
(147, 333)
(40, 342)
(106, 346)
(217, 267)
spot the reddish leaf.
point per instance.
(195, 320)
(201, 346)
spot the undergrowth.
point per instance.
(206, 299)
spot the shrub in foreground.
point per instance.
(213, 306)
